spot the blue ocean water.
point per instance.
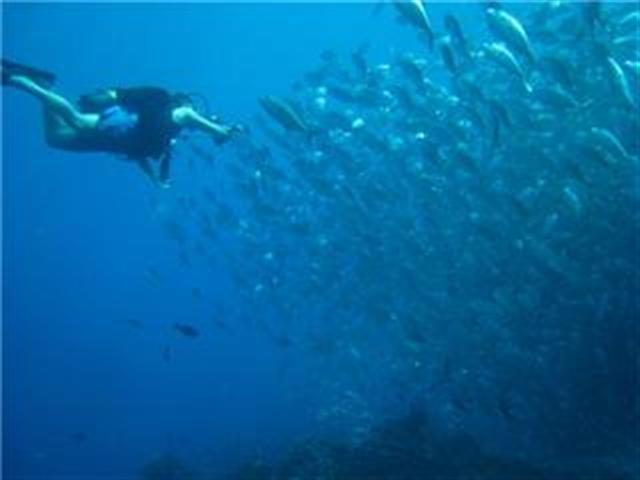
(79, 236)
(98, 382)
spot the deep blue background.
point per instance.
(81, 230)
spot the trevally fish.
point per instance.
(284, 114)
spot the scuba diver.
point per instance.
(141, 123)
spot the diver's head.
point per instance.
(183, 100)
(97, 101)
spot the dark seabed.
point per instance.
(417, 257)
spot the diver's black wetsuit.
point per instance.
(148, 136)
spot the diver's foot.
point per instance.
(6, 77)
(13, 70)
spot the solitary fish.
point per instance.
(457, 35)
(135, 323)
(197, 293)
(186, 330)
(631, 20)
(283, 341)
(620, 82)
(283, 113)
(79, 437)
(220, 323)
(153, 276)
(166, 353)
(414, 12)
(447, 55)
(503, 57)
(607, 140)
(507, 28)
(592, 14)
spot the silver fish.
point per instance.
(499, 53)
(414, 12)
(508, 29)
(620, 82)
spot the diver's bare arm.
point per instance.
(189, 118)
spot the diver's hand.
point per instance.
(238, 129)
(222, 134)
(226, 132)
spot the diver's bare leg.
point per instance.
(57, 132)
(145, 165)
(56, 103)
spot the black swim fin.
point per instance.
(41, 77)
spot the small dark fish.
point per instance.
(377, 8)
(135, 323)
(452, 26)
(221, 324)
(200, 250)
(413, 332)
(496, 134)
(210, 195)
(203, 153)
(592, 14)
(78, 437)
(505, 408)
(499, 112)
(469, 90)
(412, 70)
(175, 230)
(557, 98)
(184, 259)
(558, 69)
(360, 61)
(468, 162)
(447, 57)
(462, 404)
(328, 55)
(197, 293)
(186, 330)
(166, 353)
(283, 341)
(153, 276)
